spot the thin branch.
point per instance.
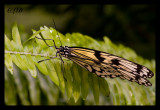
(25, 53)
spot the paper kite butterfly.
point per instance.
(105, 64)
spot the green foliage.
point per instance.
(73, 86)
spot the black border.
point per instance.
(123, 2)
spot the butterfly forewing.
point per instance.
(97, 68)
(108, 65)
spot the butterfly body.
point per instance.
(105, 64)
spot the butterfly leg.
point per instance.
(63, 69)
(46, 59)
(46, 42)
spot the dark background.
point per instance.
(130, 25)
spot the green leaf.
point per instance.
(95, 88)
(68, 76)
(104, 87)
(16, 36)
(8, 45)
(31, 66)
(41, 66)
(84, 84)
(53, 74)
(21, 87)
(57, 66)
(117, 99)
(76, 83)
(21, 61)
(10, 90)
(8, 62)
(16, 61)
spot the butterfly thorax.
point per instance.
(64, 51)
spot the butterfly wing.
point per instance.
(95, 67)
(108, 65)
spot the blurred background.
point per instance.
(130, 25)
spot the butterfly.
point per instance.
(104, 64)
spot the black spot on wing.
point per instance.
(139, 68)
(115, 67)
(93, 70)
(111, 76)
(148, 84)
(150, 74)
(97, 54)
(86, 66)
(115, 61)
(137, 77)
(101, 70)
(131, 79)
(98, 63)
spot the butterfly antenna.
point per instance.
(57, 31)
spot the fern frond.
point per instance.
(79, 82)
